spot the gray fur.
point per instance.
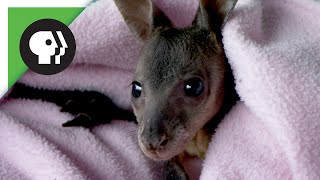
(168, 119)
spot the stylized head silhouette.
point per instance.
(44, 45)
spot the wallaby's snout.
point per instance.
(154, 141)
(157, 122)
(154, 135)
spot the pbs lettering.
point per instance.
(44, 45)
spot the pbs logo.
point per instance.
(47, 46)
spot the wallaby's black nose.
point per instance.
(156, 142)
(164, 141)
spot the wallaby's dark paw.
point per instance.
(82, 120)
(86, 102)
(92, 109)
(71, 106)
(173, 170)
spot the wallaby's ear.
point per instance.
(213, 14)
(142, 16)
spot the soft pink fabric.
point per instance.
(37, 147)
(273, 47)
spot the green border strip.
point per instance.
(18, 20)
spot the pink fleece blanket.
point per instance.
(273, 47)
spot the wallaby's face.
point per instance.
(178, 82)
(177, 88)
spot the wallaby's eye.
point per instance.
(136, 89)
(193, 87)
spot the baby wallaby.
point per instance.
(183, 85)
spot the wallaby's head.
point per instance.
(179, 80)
